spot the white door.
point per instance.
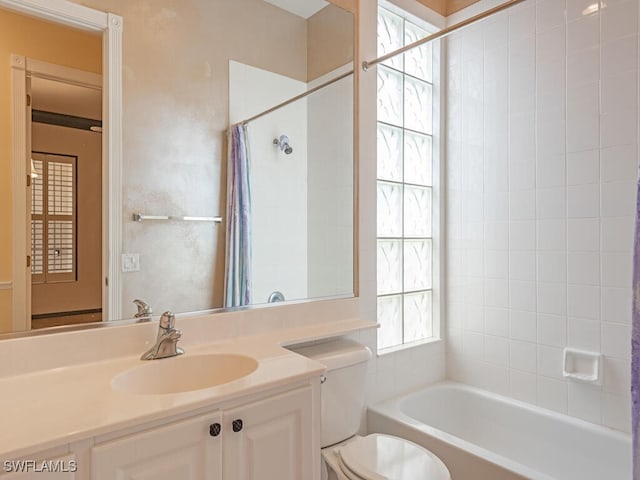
(186, 450)
(270, 439)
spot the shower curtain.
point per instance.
(635, 346)
(238, 240)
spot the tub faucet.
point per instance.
(166, 341)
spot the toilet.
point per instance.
(348, 456)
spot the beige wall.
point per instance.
(439, 6)
(447, 7)
(42, 41)
(455, 5)
(330, 34)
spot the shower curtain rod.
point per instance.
(441, 33)
(298, 97)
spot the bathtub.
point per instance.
(484, 436)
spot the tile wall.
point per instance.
(542, 153)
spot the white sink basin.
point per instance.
(184, 373)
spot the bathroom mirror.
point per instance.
(190, 70)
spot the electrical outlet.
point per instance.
(130, 262)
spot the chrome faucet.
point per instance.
(166, 341)
(144, 310)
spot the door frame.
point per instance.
(110, 26)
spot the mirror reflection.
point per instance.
(190, 72)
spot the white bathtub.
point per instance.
(484, 436)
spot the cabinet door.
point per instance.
(275, 440)
(61, 468)
(184, 450)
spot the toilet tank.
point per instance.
(343, 391)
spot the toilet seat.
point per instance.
(384, 457)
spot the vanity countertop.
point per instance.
(47, 408)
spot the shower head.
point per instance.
(283, 143)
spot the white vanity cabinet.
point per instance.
(267, 439)
(186, 449)
(274, 440)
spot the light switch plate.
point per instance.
(130, 262)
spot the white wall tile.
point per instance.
(522, 204)
(550, 168)
(618, 91)
(522, 265)
(496, 350)
(496, 292)
(552, 267)
(550, 14)
(616, 412)
(496, 378)
(583, 66)
(552, 298)
(583, 167)
(583, 301)
(583, 33)
(583, 334)
(583, 268)
(496, 263)
(496, 235)
(583, 201)
(620, 54)
(618, 199)
(474, 318)
(550, 202)
(618, 163)
(619, 19)
(551, 234)
(524, 386)
(523, 356)
(617, 234)
(550, 361)
(552, 394)
(583, 234)
(547, 43)
(552, 330)
(616, 375)
(616, 305)
(541, 202)
(585, 402)
(522, 235)
(616, 340)
(576, 9)
(618, 128)
(583, 124)
(522, 295)
(616, 269)
(523, 326)
(473, 345)
(497, 321)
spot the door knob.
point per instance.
(214, 429)
(237, 425)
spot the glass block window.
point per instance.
(405, 184)
(53, 218)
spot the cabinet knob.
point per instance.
(237, 425)
(214, 429)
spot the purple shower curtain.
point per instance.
(635, 346)
(238, 247)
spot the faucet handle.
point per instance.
(167, 320)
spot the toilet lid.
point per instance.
(383, 457)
